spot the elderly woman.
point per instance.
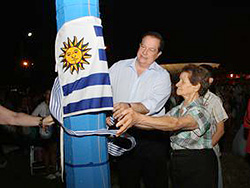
(193, 161)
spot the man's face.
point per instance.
(148, 51)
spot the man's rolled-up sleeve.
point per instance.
(160, 93)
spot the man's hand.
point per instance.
(109, 122)
(119, 108)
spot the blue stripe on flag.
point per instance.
(102, 55)
(98, 31)
(91, 80)
(88, 104)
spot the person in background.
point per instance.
(193, 160)
(215, 107)
(48, 138)
(9, 117)
(246, 124)
(144, 86)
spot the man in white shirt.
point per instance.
(140, 83)
(219, 115)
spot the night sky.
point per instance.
(194, 31)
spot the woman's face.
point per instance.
(184, 86)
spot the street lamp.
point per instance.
(26, 64)
(30, 34)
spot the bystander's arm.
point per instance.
(8, 117)
(218, 134)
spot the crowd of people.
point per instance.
(202, 113)
(235, 96)
(26, 121)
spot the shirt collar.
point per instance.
(151, 67)
(206, 98)
(196, 102)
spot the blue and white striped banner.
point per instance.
(56, 111)
(55, 106)
(82, 68)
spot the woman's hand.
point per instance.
(128, 118)
(119, 108)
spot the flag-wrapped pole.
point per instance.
(83, 101)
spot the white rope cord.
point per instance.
(89, 132)
(89, 10)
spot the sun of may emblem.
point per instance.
(74, 55)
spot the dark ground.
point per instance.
(17, 173)
(236, 171)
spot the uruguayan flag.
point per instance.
(82, 67)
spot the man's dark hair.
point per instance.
(158, 36)
(210, 69)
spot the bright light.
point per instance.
(231, 75)
(30, 34)
(25, 63)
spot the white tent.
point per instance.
(177, 67)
